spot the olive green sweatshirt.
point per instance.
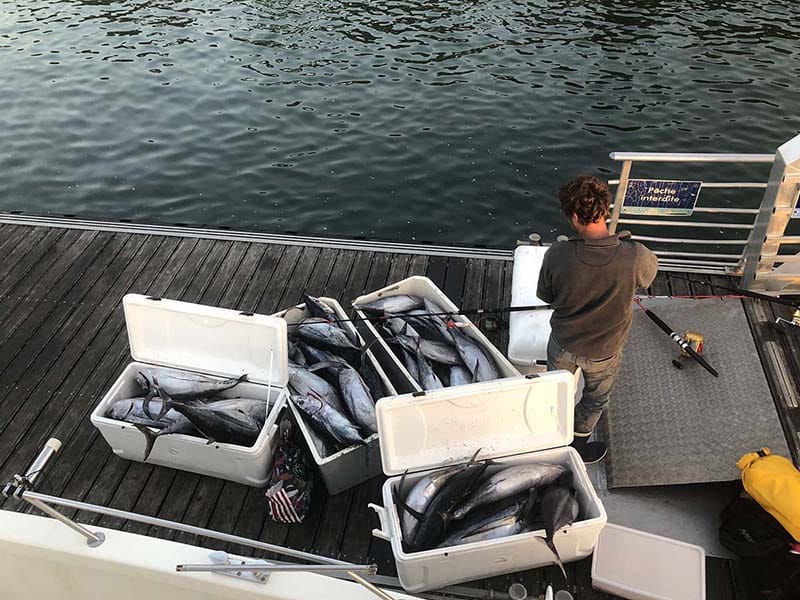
(590, 285)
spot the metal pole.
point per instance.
(199, 531)
(269, 568)
(92, 539)
(620, 195)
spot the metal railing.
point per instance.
(21, 487)
(767, 259)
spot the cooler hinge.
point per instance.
(418, 394)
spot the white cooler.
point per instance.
(350, 466)
(212, 341)
(513, 421)
(424, 288)
(528, 331)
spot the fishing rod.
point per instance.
(743, 292)
(448, 313)
(677, 338)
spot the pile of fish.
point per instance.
(429, 344)
(478, 501)
(189, 403)
(331, 381)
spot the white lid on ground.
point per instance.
(638, 565)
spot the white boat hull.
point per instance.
(43, 559)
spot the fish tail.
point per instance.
(554, 550)
(242, 378)
(146, 403)
(150, 439)
(167, 402)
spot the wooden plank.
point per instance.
(28, 342)
(418, 265)
(437, 270)
(77, 467)
(454, 280)
(28, 253)
(493, 293)
(40, 409)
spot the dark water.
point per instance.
(448, 121)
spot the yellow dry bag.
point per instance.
(773, 482)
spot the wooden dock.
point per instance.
(63, 340)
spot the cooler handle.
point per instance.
(383, 517)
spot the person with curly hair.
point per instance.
(590, 281)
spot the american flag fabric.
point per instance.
(291, 483)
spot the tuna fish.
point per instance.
(427, 377)
(460, 375)
(180, 385)
(420, 496)
(317, 308)
(559, 510)
(436, 351)
(329, 420)
(480, 364)
(310, 385)
(319, 331)
(433, 522)
(357, 398)
(391, 304)
(509, 482)
(494, 523)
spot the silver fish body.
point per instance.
(181, 385)
(428, 379)
(131, 410)
(460, 375)
(317, 308)
(391, 304)
(357, 399)
(509, 482)
(309, 385)
(329, 420)
(479, 523)
(231, 422)
(409, 362)
(436, 351)
(480, 364)
(399, 326)
(316, 330)
(421, 495)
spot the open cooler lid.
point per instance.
(207, 339)
(502, 417)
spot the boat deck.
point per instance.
(63, 342)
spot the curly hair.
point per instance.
(586, 197)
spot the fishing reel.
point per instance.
(696, 342)
(793, 322)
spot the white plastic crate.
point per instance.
(213, 341)
(641, 566)
(350, 466)
(528, 331)
(513, 421)
(424, 288)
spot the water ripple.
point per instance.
(444, 120)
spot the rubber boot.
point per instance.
(591, 452)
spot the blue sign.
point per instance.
(660, 197)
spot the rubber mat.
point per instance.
(668, 426)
